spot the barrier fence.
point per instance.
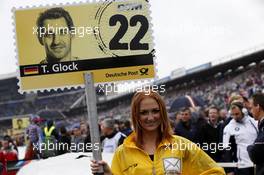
(233, 165)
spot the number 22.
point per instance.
(135, 42)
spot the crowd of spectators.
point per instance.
(214, 91)
(217, 91)
(60, 102)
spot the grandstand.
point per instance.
(214, 82)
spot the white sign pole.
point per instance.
(92, 116)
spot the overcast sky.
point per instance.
(187, 32)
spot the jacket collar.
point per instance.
(130, 141)
(111, 135)
(245, 118)
(213, 125)
(261, 123)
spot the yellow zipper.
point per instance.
(153, 170)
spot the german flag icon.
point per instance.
(31, 70)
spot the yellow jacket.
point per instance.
(168, 158)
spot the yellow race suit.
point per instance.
(176, 156)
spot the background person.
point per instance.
(223, 114)
(112, 137)
(1, 168)
(35, 136)
(87, 137)
(257, 149)
(145, 150)
(185, 127)
(78, 138)
(7, 153)
(64, 141)
(177, 117)
(125, 127)
(50, 139)
(244, 130)
(211, 133)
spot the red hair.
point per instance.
(165, 128)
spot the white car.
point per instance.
(66, 164)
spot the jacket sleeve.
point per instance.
(1, 167)
(256, 150)
(229, 152)
(199, 163)
(55, 133)
(226, 137)
(115, 167)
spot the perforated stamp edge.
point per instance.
(124, 82)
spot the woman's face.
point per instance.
(149, 114)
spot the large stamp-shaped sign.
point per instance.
(57, 44)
